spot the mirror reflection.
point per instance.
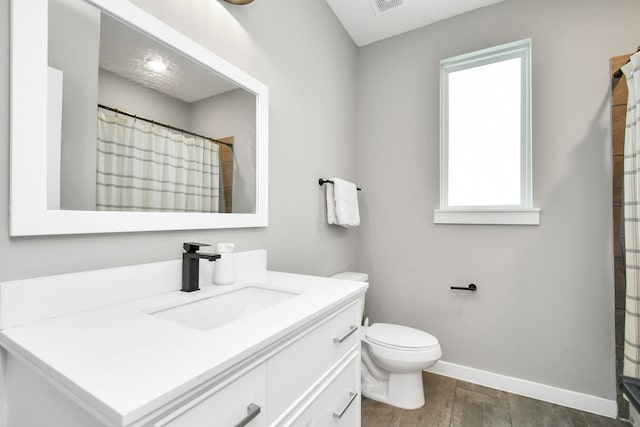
(137, 126)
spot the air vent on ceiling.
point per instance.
(381, 6)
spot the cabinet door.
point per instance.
(228, 406)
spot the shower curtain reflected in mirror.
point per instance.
(146, 167)
(632, 220)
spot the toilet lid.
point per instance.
(386, 334)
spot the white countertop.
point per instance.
(124, 363)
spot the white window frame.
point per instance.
(524, 213)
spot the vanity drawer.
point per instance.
(226, 406)
(338, 404)
(294, 369)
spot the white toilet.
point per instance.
(393, 358)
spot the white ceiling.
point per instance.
(123, 50)
(366, 24)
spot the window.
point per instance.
(485, 137)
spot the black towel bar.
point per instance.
(324, 181)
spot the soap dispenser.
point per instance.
(224, 271)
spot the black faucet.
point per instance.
(191, 265)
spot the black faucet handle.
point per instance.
(193, 247)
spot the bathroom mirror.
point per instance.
(84, 54)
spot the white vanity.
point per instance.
(124, 347)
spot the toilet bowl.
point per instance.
(393, 358)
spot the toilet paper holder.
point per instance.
(472, 287)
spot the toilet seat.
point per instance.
(400, 349)
(400, 337)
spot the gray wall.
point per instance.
(311, 84)
(115, 91)
(544, 310)
(233, 113)
(74, 29)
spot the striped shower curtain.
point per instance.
(632, 220)
(145, 167)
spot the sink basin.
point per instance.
(217, 310)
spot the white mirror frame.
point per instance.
(29, 215)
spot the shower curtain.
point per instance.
(632, 220)
(146, 167)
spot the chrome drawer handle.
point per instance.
(252, 411)
(351, 331)
(352, 395)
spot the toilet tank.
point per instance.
(352, 275)
(356, 277)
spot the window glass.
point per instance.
(484, 132)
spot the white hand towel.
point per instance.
(345, 197)
(331, 204)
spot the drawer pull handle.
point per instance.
(351, 331)
(352, 397)
(252, 411)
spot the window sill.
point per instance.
(487, 216)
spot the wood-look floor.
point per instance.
(454, 403)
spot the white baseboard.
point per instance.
(571, 399)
